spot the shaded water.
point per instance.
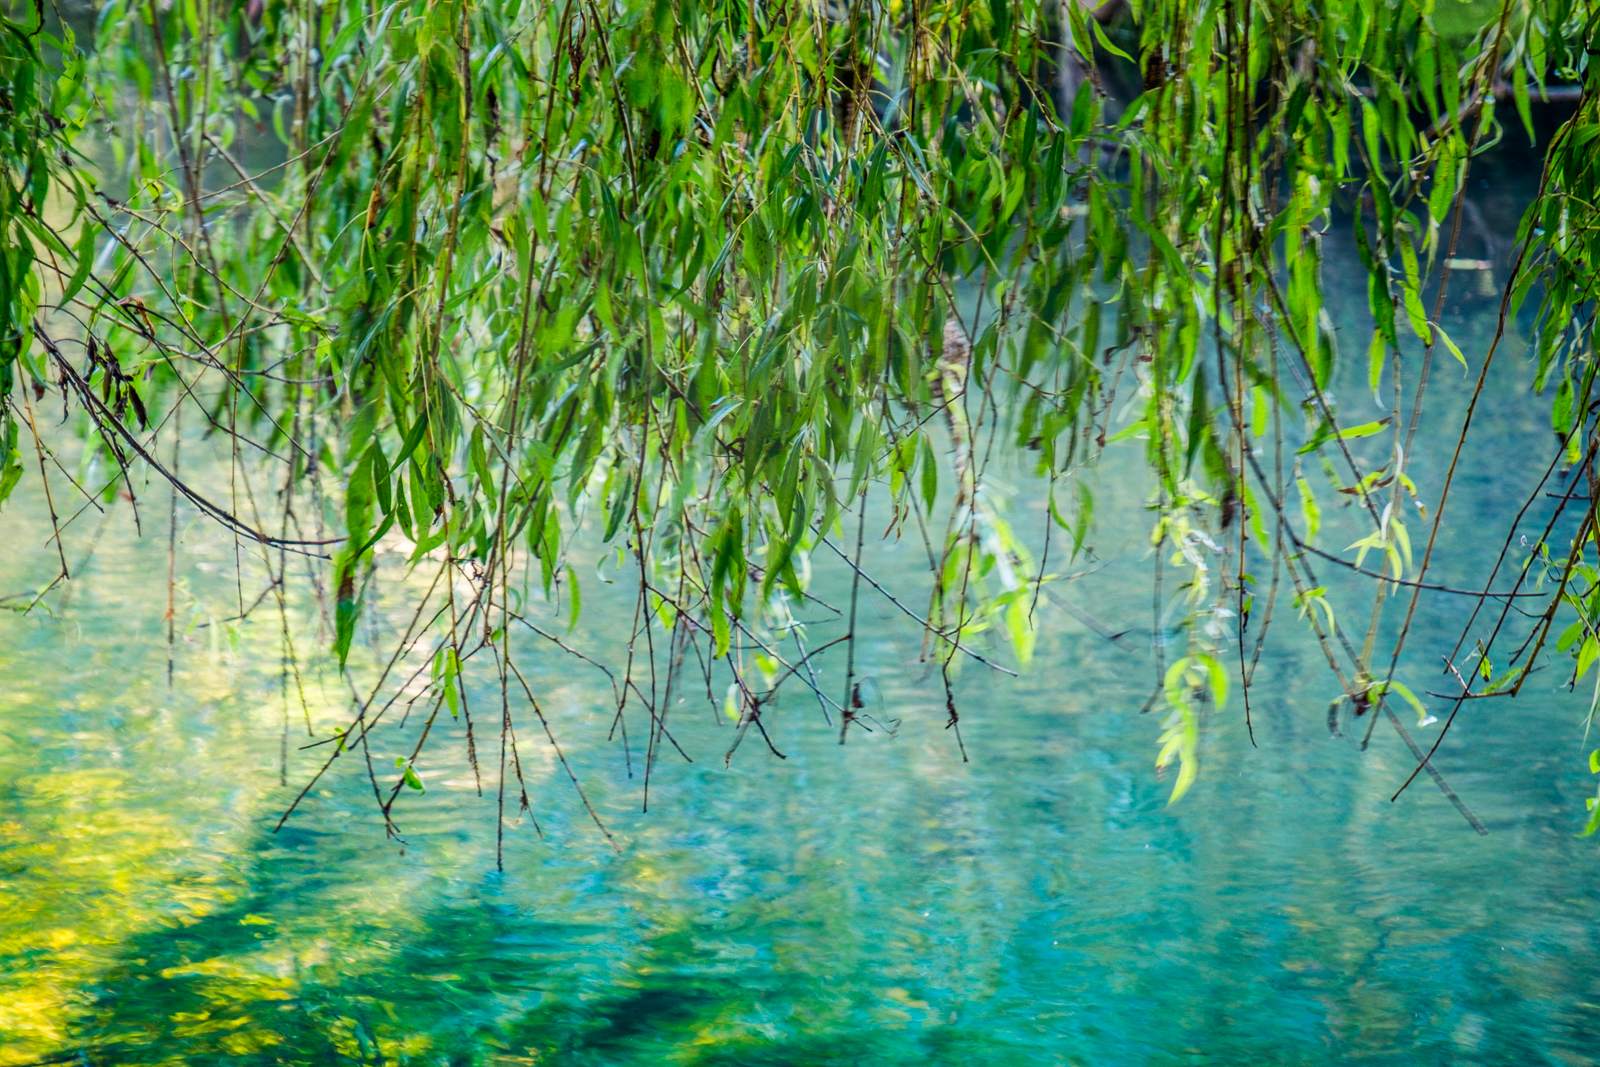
(878, 903)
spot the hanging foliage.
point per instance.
(721, 274)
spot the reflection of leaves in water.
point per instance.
(264, 979)
(672, 1015)
(74, 881)
(257, 982)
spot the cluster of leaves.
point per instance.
(715, 271)
(38, 102)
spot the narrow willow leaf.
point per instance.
(1410, 292)
(1324, 434)
(85, 255)
(1451, 345)
(1586, 657)
(1376, 353)
(1309, 511)
(1423, 718)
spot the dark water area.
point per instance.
(882, 902)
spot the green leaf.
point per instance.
(10, 473)
(1375, 360)
(1411, 296)
(1218, 678)
(347, 608)
(1451, 345)
(1586, 657)
(1570, 635)
(1323, 436)
(1519, 92)
(1131, 430)
(1309, 510)
(85, 253)
(408, 774)
(1505, 680)
(1423, 718)
(1105, 42)
(575, 594)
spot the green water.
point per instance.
(878, 903)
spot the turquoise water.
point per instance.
(878, 903)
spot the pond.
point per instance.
(882, 902)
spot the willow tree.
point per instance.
(726, 272)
